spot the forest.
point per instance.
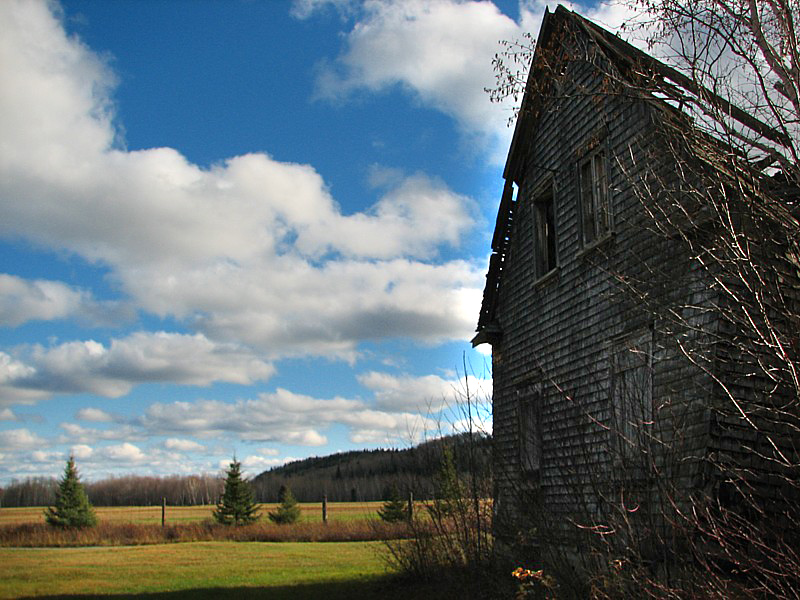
(356, 476)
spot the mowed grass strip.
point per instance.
(310, 512)
(201, 569)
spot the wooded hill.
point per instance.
(361, 475)
(366, 475)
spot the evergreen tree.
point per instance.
(72, 507)
(237, 505)
(288, 511)
(449, 490)
(394, 508)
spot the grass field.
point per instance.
(340, 511)
(132, 526)
(125, 556)
(203, 570)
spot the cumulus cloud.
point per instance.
(125, 453)
(253, 465)
(77, 434)
(251, 249)
(81, 451)
(429, 393)
(281, 416)
(112, 370)
(183, 445)
(20, 439)
(22, 301)
(96, 415)
(440, 50)
(6, 414)
(44, 456)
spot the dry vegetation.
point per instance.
(125, 526)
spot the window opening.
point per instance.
(632, 393)
(530, 431)
(595, 218)
(545, 233)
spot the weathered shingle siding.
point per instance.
(559, 330)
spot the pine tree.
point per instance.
(237, 505)
(394, 508)
(72, 507)
(449, 490)
(288, 511)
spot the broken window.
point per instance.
(632, 394)
(544, 232)
(529, 409)
(595, 217)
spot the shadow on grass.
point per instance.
(384, 588)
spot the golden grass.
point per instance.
(135, 525)
(310, 512)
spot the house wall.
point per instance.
(559, 332)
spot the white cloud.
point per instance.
(22, 301)
(96, 415)
(303, 9)
(427, 393)
(281, 416)
(81, 451)
(251, 249)
(125, 453)
(76, 434)
(6, 414)
(20, 439)
(183, 445)
(44, 456)
(440, 50)
(112, 371)
(253, 465)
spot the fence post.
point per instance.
(163, 511)
(410, 505)
(325, 508)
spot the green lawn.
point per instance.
(202, 570)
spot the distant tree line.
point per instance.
(369, 475)
(357, 476)
(130, 490)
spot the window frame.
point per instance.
(545, 232)
(529, 426)
(594, 204)
(631, 393)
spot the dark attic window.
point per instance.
(595, 217)
(544, 232)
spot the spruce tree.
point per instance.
(72, 508)
(288, 511)
(237, 505)
(449, 490)
(394, 508)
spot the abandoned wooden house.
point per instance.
(617, 390)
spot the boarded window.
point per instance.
(544, 233)
(632, 393)
(529, 409)
(595, 217)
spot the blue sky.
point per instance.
(250, 227)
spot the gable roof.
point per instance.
(632, 66)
